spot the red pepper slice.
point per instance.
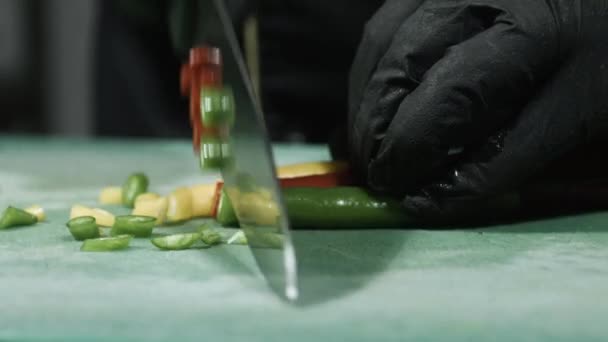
(203, 55)
(317, 181)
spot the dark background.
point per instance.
(64, 67)
(45, 66)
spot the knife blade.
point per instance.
(249, 179)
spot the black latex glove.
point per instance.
(454, 101)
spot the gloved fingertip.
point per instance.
(421, 206)
(377, 176)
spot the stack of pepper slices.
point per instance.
(212, 114)
(212, 109)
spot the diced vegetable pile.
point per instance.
(100, 230)
(313, 193)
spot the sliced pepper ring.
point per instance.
(217, 107)
(204, 69)
(215, 153)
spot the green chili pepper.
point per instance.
(138, 226)
(215, 153)
(217, 107)
(83, 227)
(176, 241)
(343, 207)
(14, 217)
(340, 207)
(134, 186)
(106, 244)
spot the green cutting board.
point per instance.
(536, 281)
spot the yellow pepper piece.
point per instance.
(179, 205)
(152, 207)
(37, 211)
(146, 197)
(203, 198)
(103, 218)
(311, 169)
(111, 195)
(257, 208)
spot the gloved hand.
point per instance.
(453, 102)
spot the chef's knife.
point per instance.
(249, 179)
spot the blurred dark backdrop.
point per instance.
(91, 67)
(45, 66)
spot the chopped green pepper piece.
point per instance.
(138, 226)
(225, 212)
(14, 217)
(134, 186)
(215, 153)
(176, 241)
(106, 244)
(83, 227)
(211, 237)
(217, 106)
